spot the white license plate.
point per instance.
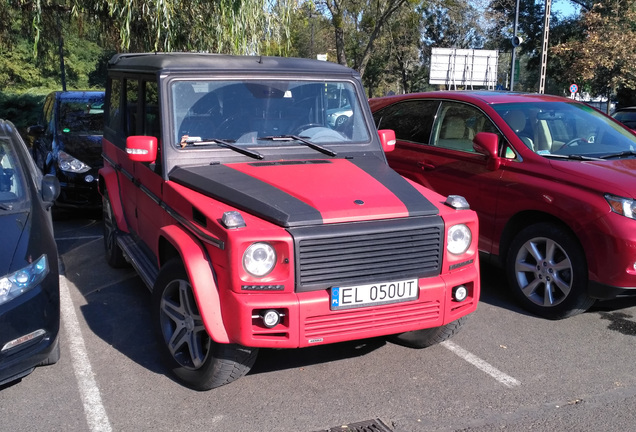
(374, 294)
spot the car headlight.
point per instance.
(23, 280)
(259, 259)
(622, 206)
(68, 163)
(458, 239)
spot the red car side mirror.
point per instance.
(387, 138)
(487, 143)
(141, 148)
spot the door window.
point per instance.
(411, 120)
(458, 125)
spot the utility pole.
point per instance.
(544, 49)
(515, 43)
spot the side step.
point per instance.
(146, 268)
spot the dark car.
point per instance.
(68, 143)
(29, 279)
(627, 116)
(552, 180)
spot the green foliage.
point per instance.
(21, 109)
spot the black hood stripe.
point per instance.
(415, 203)
(248, 194)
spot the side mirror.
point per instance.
(141, 148)
(50, 189)
(487, 143)
(387, 138)
(36, 130)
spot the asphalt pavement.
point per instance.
(506, 370)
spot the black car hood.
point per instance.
(12, 227)
(87, 148)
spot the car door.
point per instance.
(434, 148)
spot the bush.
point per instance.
(23, 110)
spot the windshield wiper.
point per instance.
(222, 143)
(571, 157)
(619, 154)
(4, 206)
(308, 143)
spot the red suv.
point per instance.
(552, 180)
(257, 222)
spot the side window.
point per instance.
(131, 101)
(114, 105)
(411, 120)
(151, 109)
(458, 124)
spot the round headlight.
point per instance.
(458, 239)
(259, 259)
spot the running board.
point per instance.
(145, 267)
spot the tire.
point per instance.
(54, 355)
(114, 254)
(341, 120)
(428, 337)
(547, 272)
(192, 356)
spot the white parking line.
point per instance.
(480, 364)
(93, 408)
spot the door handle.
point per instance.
(426, 165)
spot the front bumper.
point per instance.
(308, 319)
(36, 312)
(79, 190)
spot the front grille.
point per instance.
(367, 252)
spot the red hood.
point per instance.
(292, 193)
(613, 176)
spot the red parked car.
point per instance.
(258, 222)
(552, 180)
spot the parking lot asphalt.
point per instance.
(506, 369)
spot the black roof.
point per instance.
(204, 62)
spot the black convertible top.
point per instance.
(200, 62)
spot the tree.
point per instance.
(367, 18)
(605, 58)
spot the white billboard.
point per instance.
(464, 67)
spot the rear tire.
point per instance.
(192, 356)
(114, 254)
(428, 337)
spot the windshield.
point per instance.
(252, 113)
(12, 187)
(81, 116)
(564, 129)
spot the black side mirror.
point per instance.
(50, 189)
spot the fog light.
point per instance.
(271, 318)
(460, 293)
(89, 178)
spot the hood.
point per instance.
(611, 176)
(87, 148)
(12, 226)
(309, 192)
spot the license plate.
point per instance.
(373, 294)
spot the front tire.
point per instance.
(190, 353)
(547, 272)
(428, 337)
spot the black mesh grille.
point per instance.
(366, 252)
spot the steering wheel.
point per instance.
(301, 128)
(573, 142)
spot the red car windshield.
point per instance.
(563, 128)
